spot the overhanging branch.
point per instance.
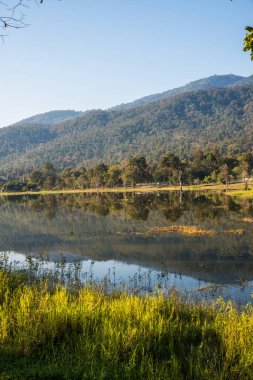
(11, 14)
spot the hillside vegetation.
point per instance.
(221, 116)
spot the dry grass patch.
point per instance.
(223, 207)
(194, 231)
(131, 233)
(184, 230)
(247, 220)
(233, 232)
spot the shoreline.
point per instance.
(235, 189)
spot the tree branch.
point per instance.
(11, 15)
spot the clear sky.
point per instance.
(86, 54)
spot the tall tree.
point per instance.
(136, 171)
(224, 171)
(114, 176)
(246, 164)
(98, 175)
(171, 169)
(49, 175)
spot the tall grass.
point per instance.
(85, 333)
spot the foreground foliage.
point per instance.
(59, 333)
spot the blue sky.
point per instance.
(86, 54)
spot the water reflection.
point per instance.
(112, 229)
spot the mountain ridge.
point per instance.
(197, 119)
(214, 81)
(50, 117)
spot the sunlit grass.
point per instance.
(184, 230)
(85, 333)
(194, 231)
(233, 189)
(247, 220)
(233, 232)
(241, 193)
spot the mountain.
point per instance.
(51, 117)
(215, 81)
(245, 81)
(182, 123)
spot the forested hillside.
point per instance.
(204, 118)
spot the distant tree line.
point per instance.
(202, 168)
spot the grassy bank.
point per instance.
(237, 187)
(241, 193)
(87, 334)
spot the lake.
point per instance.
(118, 239)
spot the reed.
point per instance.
(85, 333)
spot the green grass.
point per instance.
(142, 189)
(241, 193)
(60, 333)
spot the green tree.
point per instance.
(211, 161)
(83, 180)
(114, 176)
(136, 171)
(171, 169)
(246, 163)
(248, 41)
(36, 177)
(49, 175)
(66, 178)
(98, 175)
(224, 173)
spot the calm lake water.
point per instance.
(110, 237)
